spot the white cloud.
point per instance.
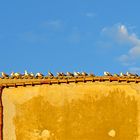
(90, 14)
(33, 37)
(74, 36)
(52, 24)
(121, 34)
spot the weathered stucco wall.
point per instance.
(78, 111)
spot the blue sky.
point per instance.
(70, 35)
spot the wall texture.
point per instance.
(77, 111)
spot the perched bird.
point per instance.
(122, 74)
(91, 74)
(84, 74)
(39, 75)
(62, 74)
(50, 74)
(77, 74)
(17, 75)
(131, 74)
(59, 74)
(4, 75)
(12, 74)
(32, 74)
(107, 73)
(116, 75)
(26, 73)
(69, 74)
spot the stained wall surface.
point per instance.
(78, 111)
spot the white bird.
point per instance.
(77, 74)
(32, 74)
(50, 74)
(131, 74)
(12, 74)
(107, 73)
(122, 74)
(69, 74)
(15, 75)
(4, 75)
(84, 74)
(39, 74)
(26, 73)
(59, 74)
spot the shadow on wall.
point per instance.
(111, 117)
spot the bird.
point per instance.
(17, 75)
(12, 74)
(59, 74)
(50, 74)
(122, 74)
(91, 74)
(84, 74)
(116, 75)
(4, 75)
(39, 75)
(62, 74)
(26, 73)
(107, 73)
(131, 74)
(32, 74)
(69, 74)
(77, 74)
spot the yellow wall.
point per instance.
(78, 111)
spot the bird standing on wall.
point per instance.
(91, 74)
(39, 75)
(32, 74)
(17, 75)
(50, 74)
(12, 74)
(59, 74)
(4, 75)
(122, 74)
(62, 74)
(107, 73)
(69, 74)
(131, 74)
(84, 74)
(116, 75)
(76, 74)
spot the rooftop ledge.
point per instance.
(9, 82)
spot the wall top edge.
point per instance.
(14, 82)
